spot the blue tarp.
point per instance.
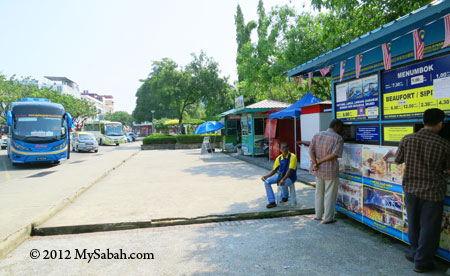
(296, 109)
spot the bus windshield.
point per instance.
(113, 130)
(39, 129)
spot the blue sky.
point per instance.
(106, 46)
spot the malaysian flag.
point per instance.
(324, 71)
(300, 80)
(387, 55)
(342, 70)
(358, 59)
(447, 31)
(309, 80)
(419, 45)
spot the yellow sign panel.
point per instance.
(353, 113)
(412, 102)
(395, 134)
(347, 114)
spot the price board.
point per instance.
(410, 90)
(357, 100)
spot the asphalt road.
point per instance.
(9, 172)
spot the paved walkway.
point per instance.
(158, 184)
(283, 246)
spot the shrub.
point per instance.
(195, 138)
(159, 139)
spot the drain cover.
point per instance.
(41, 174)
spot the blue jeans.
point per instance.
(273, 180)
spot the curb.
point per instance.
(165, 222)
(15, 239)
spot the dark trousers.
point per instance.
(424, 228)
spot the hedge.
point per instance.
(159, 139)
(195, 138)
(180, 139)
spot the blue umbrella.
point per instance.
(209, 126)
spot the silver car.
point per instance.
(84, 141)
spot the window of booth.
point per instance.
(231, 127)
(259, 126)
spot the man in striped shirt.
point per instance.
(427, 163)
(326, 147)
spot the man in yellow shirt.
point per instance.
(286, 166)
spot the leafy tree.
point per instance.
(287, 39)
(173, 91)
(120, 116)
(243, 32)
(13, 90)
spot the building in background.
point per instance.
(62, 85)
(103, 103)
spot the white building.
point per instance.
(103, 103)
(62, 85)
(100, 106)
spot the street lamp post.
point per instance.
(153, 122)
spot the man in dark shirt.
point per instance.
(427, 161)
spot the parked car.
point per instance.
(3, 141)
(84, 141)
(129, 138)
(134, 136)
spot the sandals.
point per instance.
(328, 222)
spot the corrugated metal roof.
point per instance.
(268, 104)
(389, 31)
(231, 111)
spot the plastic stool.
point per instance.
(292, 196)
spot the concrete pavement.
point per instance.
(32, 200)
(281, 246)
(161, 184)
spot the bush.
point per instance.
(195, 138)
(159, 139)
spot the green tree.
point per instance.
(173, 91)
(243, 32)
(287, 39)
(120, 116)
(13, 90)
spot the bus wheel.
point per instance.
(117, 144)
(100, 143)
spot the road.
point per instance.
(9, 172)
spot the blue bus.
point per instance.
(39, 131)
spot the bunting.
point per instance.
(309, 80)
(324, 71)
(358, 59)
(447, 31)
(300, 80)
(386, 55)
(419, 45)
(342, 70)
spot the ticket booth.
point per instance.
(253, 121)
(381, 84)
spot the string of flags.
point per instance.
(419, 50)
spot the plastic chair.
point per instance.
(292, 196)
